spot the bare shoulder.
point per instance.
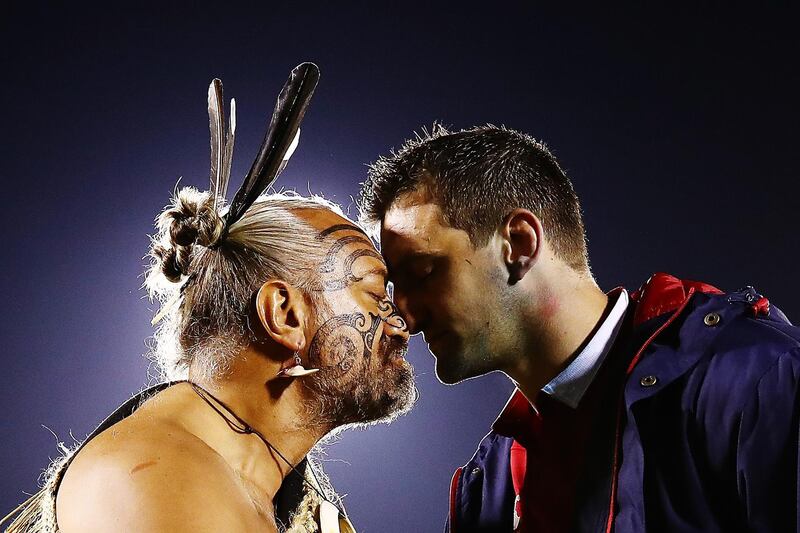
(147, 475)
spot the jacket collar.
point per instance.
(660, 295)
(663, 293)
(516, 417)
(571, 384)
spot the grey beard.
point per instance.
(368, 399)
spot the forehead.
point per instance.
(415, 223)
(342, 242)
(330, 224)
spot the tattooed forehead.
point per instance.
(346, 247)
(340, 228)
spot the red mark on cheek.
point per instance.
(142, 466)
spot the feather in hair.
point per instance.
(226, 165)
(216, 125)
(281, 136)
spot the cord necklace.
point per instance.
(240, 426)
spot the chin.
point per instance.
(400, 397)
(380, 400)
(450, 372)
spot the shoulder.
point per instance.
(746, 343)
(715, 355)
(732, 351)
(733, 332)
(145, 475)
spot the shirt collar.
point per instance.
(571, 384)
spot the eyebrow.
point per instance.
(380, 271)
(376, 270)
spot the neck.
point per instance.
(270, 405)
(558, 321)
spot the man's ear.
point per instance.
(282, 311)
(521, 233)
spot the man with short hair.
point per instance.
(673, 408)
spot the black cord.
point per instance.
(247, 429)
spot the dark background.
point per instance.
(678, 127)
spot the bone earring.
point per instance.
(296, 370)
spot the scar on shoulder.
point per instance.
(142, 466)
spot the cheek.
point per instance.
(468, 289)
(344, 354)
(337, 344)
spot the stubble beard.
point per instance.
(471, 358)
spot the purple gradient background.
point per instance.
(679, 129)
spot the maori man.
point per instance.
(276, 330)
(263, 301)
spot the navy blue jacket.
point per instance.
(705, 434)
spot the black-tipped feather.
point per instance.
(279, 142)
(292, 103)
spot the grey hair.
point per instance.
(211, 324)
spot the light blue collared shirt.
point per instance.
(571, 384)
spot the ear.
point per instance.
(282, 311)
(521, 233)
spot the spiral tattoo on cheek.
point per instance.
(342, 339)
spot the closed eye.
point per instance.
(378, 297)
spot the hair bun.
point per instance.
(190, 220)
(167, 258)
(183, 232)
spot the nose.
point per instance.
(395, 324)
(396, 328)
(403, 306)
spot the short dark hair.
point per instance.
(477, 176)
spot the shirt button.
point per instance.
(476, 471)
(712, 319)
(648, 381)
